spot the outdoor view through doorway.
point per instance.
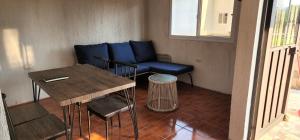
(275, 100)
(289, 128)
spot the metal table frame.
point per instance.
(70, 115)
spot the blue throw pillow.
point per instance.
(122, 52)
(86, 54)
(143, 50)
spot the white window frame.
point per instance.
(198, 37)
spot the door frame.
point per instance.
(266, 23)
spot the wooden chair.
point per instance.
(43, 128)
(109, 106)
(105, 64)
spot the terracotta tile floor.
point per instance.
(202, 115)
(288, 130)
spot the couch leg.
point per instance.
(191, 78)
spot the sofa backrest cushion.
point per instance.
(86, 54)
(144, 51)
(122, 52)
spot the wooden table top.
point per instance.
(85, 83)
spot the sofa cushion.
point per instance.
(143, 50)
(140, 69)
(168, 68)
(86, 54)
(122, 52)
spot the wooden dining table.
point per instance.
(81, 84)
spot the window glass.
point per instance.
(216, 17)
(202, 19)
(184, 17)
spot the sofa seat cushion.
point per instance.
(142, 69)
(86, 54)
(168, 68)
(143, 51)
(126, 70)
(122, 52)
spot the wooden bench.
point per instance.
(33, 122)
(27, 112)
(47, 127)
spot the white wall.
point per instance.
(40, 34)
(213, 61)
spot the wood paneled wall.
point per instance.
(40, 34)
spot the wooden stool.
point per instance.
(162, 93)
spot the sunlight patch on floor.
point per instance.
(94, 136)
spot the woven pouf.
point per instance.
(162, 93)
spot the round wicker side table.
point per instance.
(162, 93)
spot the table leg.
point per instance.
(132, 111)
(65, 111)
(69, 114)
(68, 120)
(72, 122)
(33, 90)
(79, 118)
(36, 90)
(39, 93)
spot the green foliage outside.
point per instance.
(286, 26)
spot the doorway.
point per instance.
(280, 29)
(289, 128)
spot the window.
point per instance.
(184, 17)
(202, 19)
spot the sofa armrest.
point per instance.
(164, 57)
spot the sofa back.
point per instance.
(122, 52)
(143, 50)
(86, 54)
(128, 52)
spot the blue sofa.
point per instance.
(141, 54)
